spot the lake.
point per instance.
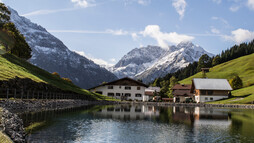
(141, 123)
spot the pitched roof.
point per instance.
(182, 93)
(211, 84)
(182, 86)
(121, 82)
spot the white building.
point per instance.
(206, 90)
(124, 89)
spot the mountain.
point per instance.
(50, 54)
(149, 63)
(136, 61)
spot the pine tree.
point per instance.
(204, 62)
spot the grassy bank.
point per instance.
(12, 66)
(244, 67)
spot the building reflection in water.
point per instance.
(195, 116)
(129, 112)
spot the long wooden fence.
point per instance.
(36, 94)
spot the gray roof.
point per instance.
(211, 84)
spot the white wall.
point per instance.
(121, 89)
(202, 98)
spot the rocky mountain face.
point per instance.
(137, 61)
(149, 63)
(50, 54)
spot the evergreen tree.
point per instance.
(216, 60)
(173, 82)
(20, 47)
(4, 14)
(236, 82)
(204, 62)
(164, 89)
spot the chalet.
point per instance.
(205, 89)
(150, 92)
(181, 92)
(124, 89)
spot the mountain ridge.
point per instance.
(151, 62)
(50, 54)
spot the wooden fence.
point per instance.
(35, 94)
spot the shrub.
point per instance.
(56, 74)
(67, 79)
(236, 82)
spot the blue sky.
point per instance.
(105, 30)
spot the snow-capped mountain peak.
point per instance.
(151, 62)
(50, 54)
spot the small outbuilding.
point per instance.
(206, 90)
(181, 93)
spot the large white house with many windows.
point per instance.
(124, 89)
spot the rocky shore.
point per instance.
(15, 106)
(12, 126)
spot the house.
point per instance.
(124, 89)
(150, 92)
(205, 89)
(181, 92)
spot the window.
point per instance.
(206, 98)
(118, 94)
(210, 92)
(127, 95)
(211, 98)
(202, 92)
(110, 87)
(127, 88)
(138, 95)
(110, 94)
(138, 88)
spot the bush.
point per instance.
(56, 74)
(236, 82)
(67, 79)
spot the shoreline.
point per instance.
(12, 125)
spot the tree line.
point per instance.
(10, 37)
(204, 62)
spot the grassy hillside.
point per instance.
(11, 66)
(244, 67)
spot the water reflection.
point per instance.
(135, 123)
(129, 112)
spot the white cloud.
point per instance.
(240, 35)
(47, 11)
(108, 31)
(100, 62)
(81, 3)
(215, 31)
(134, 36)
(222, 20)
(250, 4)
(180, 6)
(234, 8)
(141, 2)
(217, 1)
(144, 2)
(163, 39)
(117, 32)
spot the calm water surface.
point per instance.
(148, 124)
